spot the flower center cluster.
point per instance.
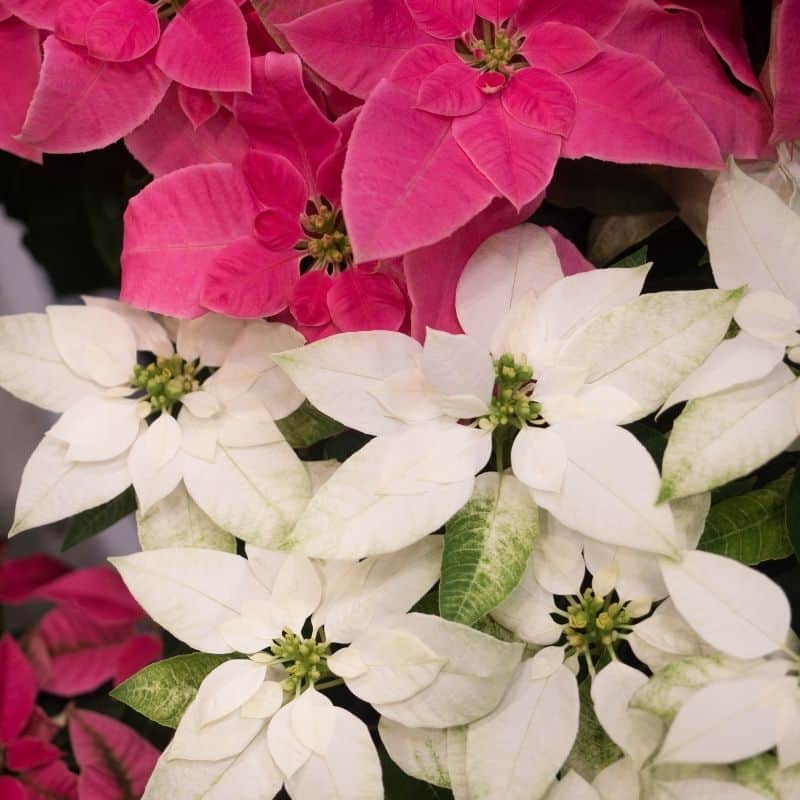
(511, 404)
(595, 624)
(326, 239)
(305, 660)
(165, 381)
(495, 53)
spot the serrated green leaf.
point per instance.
(486, 548)
(95, 520)
(162, 691)
(307, 426)
(751, 527)
(593, 750)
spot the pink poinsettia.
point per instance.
(265, 238)
(472, 99)
(781, 71)
(114, 761)
(93, 634)
(19, 73)
(33, 764)
(108, 63)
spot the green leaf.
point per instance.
(635, 259)
(399, 786)
(593, 750)
(486, 548)
(752, 527)
(793, 513)
(307, 426)
(162, 691)
(95, 520)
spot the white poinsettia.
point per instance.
(268, 712)
(725, 608)
(196, 423)
(582, 354)
(745, 400)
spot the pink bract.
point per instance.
(115, 762)
(233, 240)
(553, 77)
(782, 69)
(19, 74)
(108, 63)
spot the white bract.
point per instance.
(744, 400)
(194, 428)
(269, 709)
(582, 354)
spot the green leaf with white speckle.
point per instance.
(727, 435)
(752, 527)
(162, 691)
(486, 548)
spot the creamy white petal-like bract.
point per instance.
(150, 335)
(455, 364)
(499, 273)
(256, 493)
(753, 236)
(609, 489)
(420, 752)
(54, 487)
(188, 591)
(107, 359)
(637, 733)
(338, 375)
(734, 362)
(392, 492)
(515, 752)
(177, 521)
(155, 462)
(720, 438)
(471, 682)
(647, 347)
(733, 607)
(32, 369)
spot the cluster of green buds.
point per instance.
(166, 381)
(596, 623)
(495, 55)
(511, 404)
(327, 241)
(305, 660)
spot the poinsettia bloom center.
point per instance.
(511, 404)
(495, 53)
(326, 239)
(305, 660)
(165, 381)
(595, 623)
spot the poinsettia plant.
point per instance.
(95, 633)
(448, 369)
